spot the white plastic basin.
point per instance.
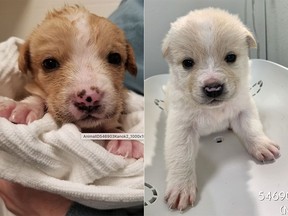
(230, 181)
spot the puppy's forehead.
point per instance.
(208, 29)
(76, 28)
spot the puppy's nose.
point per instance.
(87, 100)
(213, 90)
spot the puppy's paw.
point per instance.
(20, 112)
(264, 150)
(181, 196)
(6, 107)
(126, 148)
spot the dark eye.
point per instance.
(230, 58)
(114, 58)
(50, 64)
(188, 63)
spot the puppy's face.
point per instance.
(207, 52)
(77, 61)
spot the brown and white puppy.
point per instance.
(207, 91)
(76, 62)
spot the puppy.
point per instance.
(76, 62)
(208, 91)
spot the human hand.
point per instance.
(23, 201)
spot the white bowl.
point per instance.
(230, 181)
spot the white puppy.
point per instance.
(208, 91)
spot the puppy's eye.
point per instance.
(114, 58)
(230, 58)
(50, 64)
(188, 63)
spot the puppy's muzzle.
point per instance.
(88, 100)
(213, 90)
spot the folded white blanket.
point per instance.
(43, 156)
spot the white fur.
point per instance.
(201, 36)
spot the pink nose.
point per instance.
(88, 100)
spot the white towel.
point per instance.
(12, 81)
(44, 156)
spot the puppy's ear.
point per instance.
(165, 47)
(131, 62)
(24, 62)
(251, 40)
